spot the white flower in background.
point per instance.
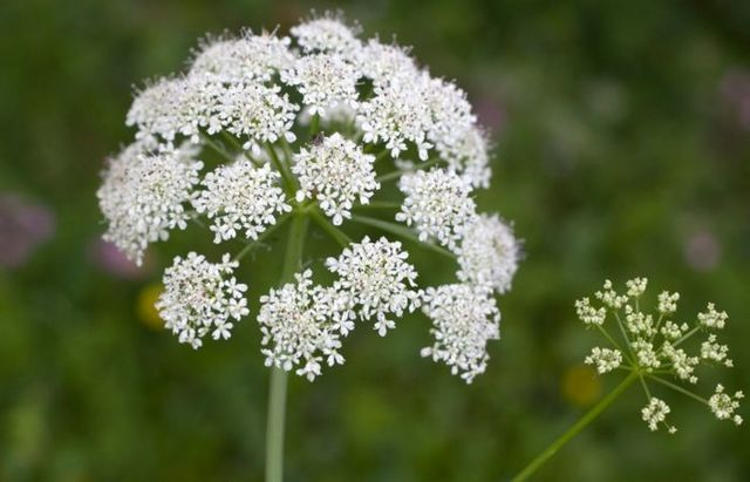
(313, 126)
(143, 196)
(243, 59)
(656, 349)
(324, 81)
(464, 319)
(337, 174)
(604, 359)
(438, 204)
(377, 279)
(382, 63)
(326, 34)
(488, 254)
(200, 298)
(298, 328)
(241, 196)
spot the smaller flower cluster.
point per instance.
(200, 297)
(377, 280)
(656, 347)
(144, 193)
(241, 196)
(336, 173)
(464, 319)
(297, 326)
(303, 323)
(438, 204)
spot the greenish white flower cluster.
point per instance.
(657, 348)
(313, 125)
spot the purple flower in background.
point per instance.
(702, 250)
(23, 226)
(735, 89)
(106, 256)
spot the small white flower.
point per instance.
(397, 114)
(257, 113)
(326, 34)
(668, 302)
(711, 350)
(438, 204)
(464, 319)
(724, 406)
(655, 412)
(200, 298)
(712, 318)
(337, 174)
(636, 286)
(609, 296)
(241, 196)
(488, 254)
(588, 314)
(143, 195)
(382, 63)
(605, 359)
(324, 81)
(298, 327)
(377, 280)
(243, 59)
(682, 364)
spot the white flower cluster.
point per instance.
(465, 318)
(655, 412)
(336, 173)
(657, 348)
(438, 204)
(303, 124)
(144, 193)
(298, 328)
(199, 299)
(377, 280)
(724, 405)
(489, 253)
(241, 196)
(605, 359)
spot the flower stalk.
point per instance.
(278, 381)
(566, 437)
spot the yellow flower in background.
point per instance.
(580, 385)
(147, 313)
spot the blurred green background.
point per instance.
(622, 136)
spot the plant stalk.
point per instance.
(543, 457)
(278, 383)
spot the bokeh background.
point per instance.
(622, 136)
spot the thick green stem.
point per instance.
(277, 390)
(576, 428)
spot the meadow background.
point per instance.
(622, 135)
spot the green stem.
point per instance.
(218, 149)
(399, 173)
(277, 390)
(330, 229)
(401, 231)
(576, 428)
(265, 234)
(285, 175)
(314, 125)
(678, 388)
(378, 205)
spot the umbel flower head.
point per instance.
(657, 348)
(265, 129)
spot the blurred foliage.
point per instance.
(622, 149)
